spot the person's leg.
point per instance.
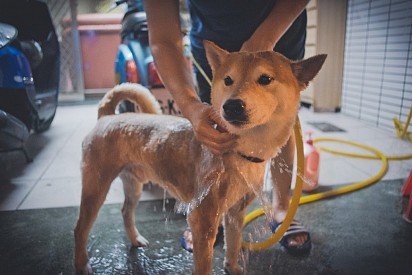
(281, 169)
(291, 45)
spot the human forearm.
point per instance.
(166, 46)
(179, 83)
(176, 75)
(275, 25)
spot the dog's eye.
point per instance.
(228, 81)
(264, 79)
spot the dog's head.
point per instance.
(252, 89)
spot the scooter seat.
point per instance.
(134, 22)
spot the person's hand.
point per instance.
(204, 119)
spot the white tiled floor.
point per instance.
(53, 178)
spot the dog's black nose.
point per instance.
(235, 111)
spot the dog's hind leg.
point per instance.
(94, 191)
(132, 186)
(233, 225)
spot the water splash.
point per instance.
(261, 195)
(244, 259)
(164, 200)
(206, 180)
(284, 168)
(157, 260)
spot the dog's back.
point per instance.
(127, 140)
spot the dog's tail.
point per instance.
(136, 93)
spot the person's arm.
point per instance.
(275, 25)
(166, 45)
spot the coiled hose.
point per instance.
(377, 155)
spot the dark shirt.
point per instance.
(229, 23)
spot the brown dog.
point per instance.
(256, 96)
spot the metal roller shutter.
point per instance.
(377, 78)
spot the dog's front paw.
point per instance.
(85, 270)
(233, 270)
(140, 241)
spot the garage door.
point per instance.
(377, 80)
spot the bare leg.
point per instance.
(204, 225)
(94, 193)
(132, 190)
(281, 186)
(233, 224)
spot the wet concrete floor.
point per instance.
(360, 233)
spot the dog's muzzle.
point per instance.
(235, 111)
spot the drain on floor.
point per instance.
(326, 127)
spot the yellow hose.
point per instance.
(315, 197)
(294, 204)
(354, 186)
(356, 155)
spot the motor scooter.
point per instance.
(29, 71)
(134, 61)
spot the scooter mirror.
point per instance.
(7, 34)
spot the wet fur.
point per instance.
(163, 149)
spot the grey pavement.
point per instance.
(359, 233)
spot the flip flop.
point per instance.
(295, 228)
(219, 238)
(183, 241)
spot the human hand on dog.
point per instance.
(252, 45)
(266, 36)
(203, 119)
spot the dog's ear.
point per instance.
(306, 70)
(214, 54)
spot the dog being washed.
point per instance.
(256, 97)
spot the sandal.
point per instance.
(183, 241)
(294, 228)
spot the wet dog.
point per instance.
(256, 95)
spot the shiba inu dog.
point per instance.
(256, 96)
